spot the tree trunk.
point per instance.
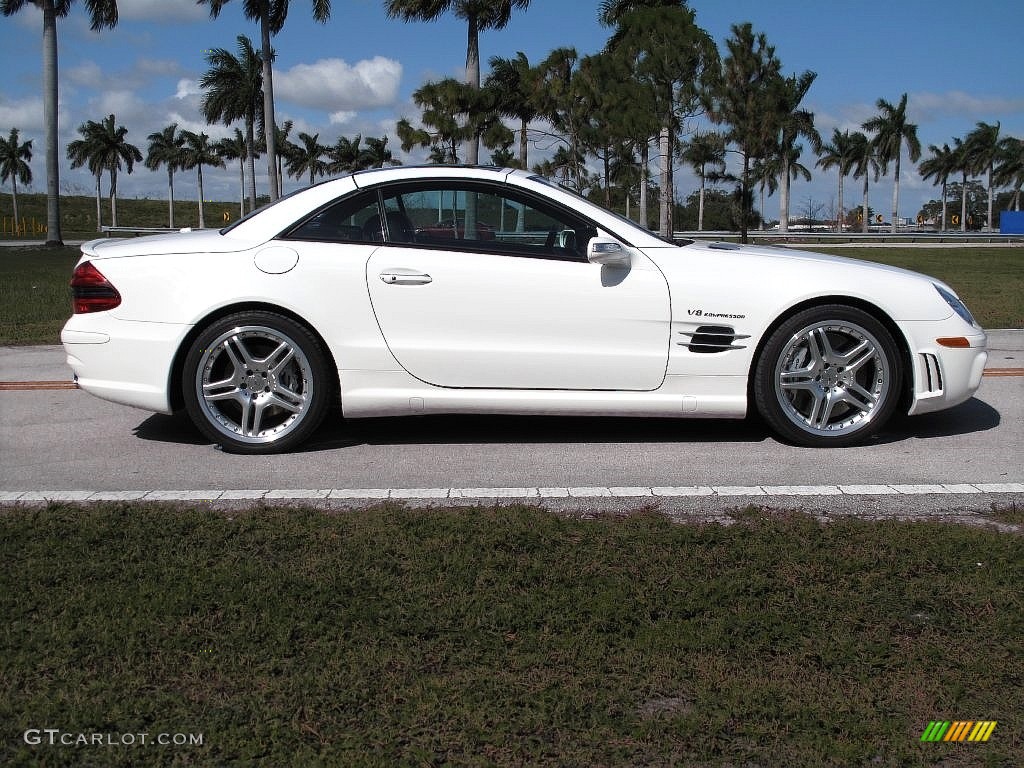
(963, 204)
(53, 233)
(99, 210)
(665, 180)
(473, 80)
(864, 208)
(522, 146)
(241, 187)
(170, 196)
(896, 196)
(943, 225)
(250, 159)
(842, 211)
(745, 192)
(268, 112)
(14, 200)
(645, 156)
(202, 216)
(700, 204)
(113, 197)
(784, 195)
(990, 197)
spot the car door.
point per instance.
(479, 286)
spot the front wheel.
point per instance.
(256, 382)
(828, 376)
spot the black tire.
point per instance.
(829, 376)
(256, 383)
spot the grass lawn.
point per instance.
(505, 636)
(35, 300)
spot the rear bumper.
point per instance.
(123, 361)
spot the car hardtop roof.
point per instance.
(376, 175)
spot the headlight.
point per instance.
(955, 304)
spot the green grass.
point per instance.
(78, 215)
(505, 636)
(989, 280)
(35, 300)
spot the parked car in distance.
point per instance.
(343, 293)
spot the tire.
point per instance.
(256, 383)
(828, 376)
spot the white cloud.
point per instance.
(87, 74)
(188, 88)
(161, 10)
(930, 106)
(342, 117)
(336, 86)
(25, 115)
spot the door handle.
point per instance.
(401, 276)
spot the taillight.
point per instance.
(91, 291)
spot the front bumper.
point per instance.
(944, 376)
(124, 361)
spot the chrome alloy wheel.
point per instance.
(831, 377)
(254, 384)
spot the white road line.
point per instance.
(597, 492)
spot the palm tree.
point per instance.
(983, 151)
(346, 156)
(478, 14)
(705, 153)
(942, 163)
(166, 148)
(766, 173)
(199, 152)
(235, 148)
(308, 158)
(271, 15)
(742, 99)
(865, 163)
(102, 14)
(234, 91)
(964, 164)
(79, 155)
(1010, 171)
(838, 154)
(794, 122)
(105, 146)
(514, 82)
(377, 154)
(14, 165)
(892, 131)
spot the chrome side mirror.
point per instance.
(608, 252)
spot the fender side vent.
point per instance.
(932, 380)
(713, 338)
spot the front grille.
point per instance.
(712, 338)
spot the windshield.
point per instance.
(619, 216)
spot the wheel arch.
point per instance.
(177, 367)
(907, 393)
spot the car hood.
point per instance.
(185, 241)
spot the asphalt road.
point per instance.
(66, 440)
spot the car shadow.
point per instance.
(972, 416)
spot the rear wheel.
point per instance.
(256, 382)
(828, 376)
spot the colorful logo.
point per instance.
(958, 730)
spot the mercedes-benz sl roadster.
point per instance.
(481, 290)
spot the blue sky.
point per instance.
(958, 62)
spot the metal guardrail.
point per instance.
(775, 236)
(138, 230)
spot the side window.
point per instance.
(486, 219)
(354, 219)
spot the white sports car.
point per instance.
(480, 290)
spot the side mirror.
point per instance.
(608, 252)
